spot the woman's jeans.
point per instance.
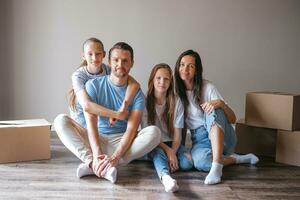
(160, 159)
(201, 146)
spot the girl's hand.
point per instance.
(172, 158)
(121, 114)
(209, 106)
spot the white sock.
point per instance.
(169, 183)
(248, 158)
(84, 170)
(215, 174)
(111, 175)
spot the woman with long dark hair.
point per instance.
(208, 117)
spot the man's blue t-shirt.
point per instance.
(103, 92)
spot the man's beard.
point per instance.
(120, 74)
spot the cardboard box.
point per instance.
(288, 147)
(257, 140)
(24, 140)
(273, 110)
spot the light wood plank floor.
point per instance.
(56, 179)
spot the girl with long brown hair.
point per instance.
(163, 109)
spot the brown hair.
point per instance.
(168, 113)
(71, 93)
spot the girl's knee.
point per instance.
(186, 163)
(157, 152)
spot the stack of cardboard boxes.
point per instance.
(271, 126)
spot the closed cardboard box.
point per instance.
(24, 140)
(257, 140)
(273, 110)
(288, 147)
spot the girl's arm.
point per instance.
(132, 89)
(218, 103)
(172, 158)
(176, 139)
(96, 109)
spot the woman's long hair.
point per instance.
(71, 93)
(168, 113)
(197, 81)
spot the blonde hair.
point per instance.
(71, 93)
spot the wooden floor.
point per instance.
(56, 179)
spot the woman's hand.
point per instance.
(172, 158)
(209, 106)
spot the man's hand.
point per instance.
(172, 158)
(100, 165)
(114, 161)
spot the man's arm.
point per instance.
(128, 137)
(93, 135)
(100, 161)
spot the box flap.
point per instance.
(274, 93)
(24, 123)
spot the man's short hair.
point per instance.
(123, 46)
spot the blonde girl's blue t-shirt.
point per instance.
(103, 92)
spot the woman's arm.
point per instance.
(96, 109)
(229, 113)
(218, 103)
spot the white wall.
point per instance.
(245, 45)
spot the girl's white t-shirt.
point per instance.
(178, 122)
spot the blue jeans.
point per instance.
(201, 146)
(160, 160)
